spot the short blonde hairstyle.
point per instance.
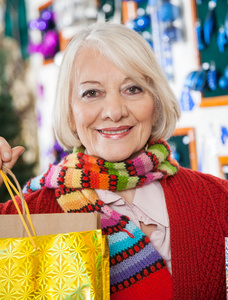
(132, 54)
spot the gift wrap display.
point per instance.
(55, 266)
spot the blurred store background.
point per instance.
(190, 40)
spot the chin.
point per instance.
(117, 157)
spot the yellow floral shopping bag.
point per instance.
(58, 266)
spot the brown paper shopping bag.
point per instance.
(57, 263)
(46, 223)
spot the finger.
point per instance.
(15, 153)
(5, 151)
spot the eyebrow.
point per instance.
(90, 81)
(98, 82)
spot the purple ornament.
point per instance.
(48, 47)
(33, 24)
(38, 24)
(47, 15)
(50, 43)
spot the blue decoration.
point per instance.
(152, 2)
(226, 72)
(174, 153)
(140, 1)
(148, 37)
(224, 134)
(209, 25)
(223, 83)
(171, 34)
(221, 39)
(132, 25)
(168, 12)
(196, 80)
(142, 22)
(212, 77)
(226, 24)
(186, 100)
(214, 2)
(199, 35)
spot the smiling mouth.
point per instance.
(115, 131)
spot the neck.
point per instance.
(127, 195)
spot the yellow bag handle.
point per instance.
(19, 193)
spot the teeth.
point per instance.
(114, 132)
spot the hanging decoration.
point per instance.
(224, 134)
(212, 77)
(223, 81)
(211, 29)
(49, 44)
(221, 39)
(199, 80)
(164, 18)
(199, 35)
(186, 101)
(195, 81)
(160, 23)
(209, 22)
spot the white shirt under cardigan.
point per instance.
(149, 207)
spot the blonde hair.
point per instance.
(133, 56)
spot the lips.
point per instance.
(115, 132)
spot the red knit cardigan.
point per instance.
(198, 214)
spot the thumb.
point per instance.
(16, 152)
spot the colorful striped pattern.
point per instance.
(137, 271)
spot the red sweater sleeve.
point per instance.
(39, 202)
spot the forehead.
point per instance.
(90, 62)
(89, 57)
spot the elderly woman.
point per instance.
(166, 224)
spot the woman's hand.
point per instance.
(8, 155)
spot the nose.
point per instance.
(115, 107)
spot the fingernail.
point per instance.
(22, 151)
(6, 155)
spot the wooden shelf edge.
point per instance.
(223, 161)
(214, 101)
(192, 145)
(45, 5)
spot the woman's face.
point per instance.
(111, 113)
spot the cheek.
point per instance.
(144, 113)
(84, 117)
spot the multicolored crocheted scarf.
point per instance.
(137, 271)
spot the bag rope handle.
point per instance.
(8, 183)
(19, 193)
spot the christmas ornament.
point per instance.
(212, 77)
(209, 23)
